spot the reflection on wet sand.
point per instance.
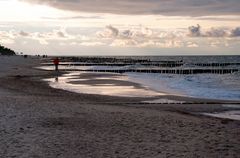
(101, 83)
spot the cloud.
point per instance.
(92, 44)
(157, 7)
(43, 38)
(146, 37)
(7, 37)
(217, 32)
(133, 33)
(22, 33)
(192, 44)
(219, 43)
(218, 18)
(114, 31)
(196, 31)
(109, 32)
(61, 34)
(236, 32)
(140, 37)
(133, 36)
(72, 17)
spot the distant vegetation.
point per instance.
(6, 51)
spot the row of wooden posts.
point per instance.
(215, 64)
(126, 64)
(170, 71)
(147, 64)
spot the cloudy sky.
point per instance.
(121, 27)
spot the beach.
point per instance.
(40, 121)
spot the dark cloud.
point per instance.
(217, 32)
(61, 34)
(113, 30)
(22, 33)
(196, 31)
(127, 34)
(109, 32)
(218, 18)
(205, 18)
(236, 32)
(161, 7)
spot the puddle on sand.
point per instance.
(64, 82)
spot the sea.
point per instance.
(209, 84)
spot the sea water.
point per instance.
(207, 85)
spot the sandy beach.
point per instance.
(39, 121)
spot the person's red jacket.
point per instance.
(56, 61)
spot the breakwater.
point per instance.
(170, 71)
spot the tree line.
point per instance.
(6, 51)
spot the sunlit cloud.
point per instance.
(7, 37)
(139, 37)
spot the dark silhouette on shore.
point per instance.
(6, 51)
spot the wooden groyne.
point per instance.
(103, 60)
(171, 71)
(118, 60)
(122, 65)
(119, 64)
(216, 64)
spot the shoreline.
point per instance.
(191, 86)
(39, 121)
(88, 80)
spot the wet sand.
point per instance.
(39, 121)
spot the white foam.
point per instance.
(233, 115)
(235, 106)
(211, 86)
(164, 101)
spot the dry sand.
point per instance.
(40, 122)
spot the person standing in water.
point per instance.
(56, 63)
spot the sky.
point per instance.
(121, 27)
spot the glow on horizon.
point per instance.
(14, 10)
